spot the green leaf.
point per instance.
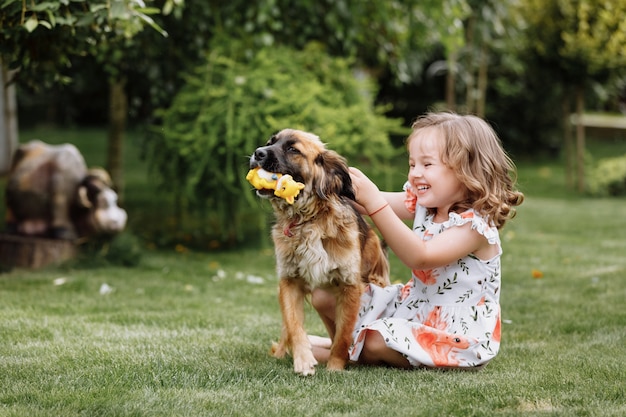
(44, 6)
(86, 19)
(119, 10)
(152, 24)
(168, 7)
(51, 18)
(7, 2)
(93, 8)
(66, 20)
(32, 23)
(148, 10)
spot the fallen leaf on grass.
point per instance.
(59, 281)
(253, 279)
(105, 289)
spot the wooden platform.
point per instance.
(34, 252)
(601, 120)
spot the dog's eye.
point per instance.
(272, 140)
(293, 150)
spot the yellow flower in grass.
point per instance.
(537, 274)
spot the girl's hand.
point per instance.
(366, 192)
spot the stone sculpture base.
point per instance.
(34, 252)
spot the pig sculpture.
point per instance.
(50, 193)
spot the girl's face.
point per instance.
(435, 184)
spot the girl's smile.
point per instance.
(435, 184)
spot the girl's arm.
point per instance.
(415, 253)
(396, 201)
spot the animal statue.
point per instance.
(51, 193)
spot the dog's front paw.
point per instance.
(278, 350)
(336, 364)
(381, 281)
(304, 363)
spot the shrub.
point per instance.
(608, 177)
(124, 249)
(234, 102)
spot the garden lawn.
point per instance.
(187, 333)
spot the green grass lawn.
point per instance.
(186, 333)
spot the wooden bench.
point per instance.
(602, 122)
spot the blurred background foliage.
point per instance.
(204, 83)
(233, 102)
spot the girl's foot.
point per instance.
(321, 342)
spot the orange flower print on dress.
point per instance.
(435, 341)
(497, 330)
(435, 320)
(361, 337)
(428, 277)
(440, 345)
(359, 340)
(410, 201)
(406, 290)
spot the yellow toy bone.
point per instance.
(261, 179)
(284, 185)
(288, 188)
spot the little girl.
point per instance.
(459, 193)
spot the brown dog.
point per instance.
(321, 241)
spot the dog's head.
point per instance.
(303, 156)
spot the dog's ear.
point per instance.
(334, 178)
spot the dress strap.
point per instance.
(478, 223)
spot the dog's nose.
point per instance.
(260, 154)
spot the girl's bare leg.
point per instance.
(320, 347)
(324, 303)
(376, 352)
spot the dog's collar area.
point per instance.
(287, 230)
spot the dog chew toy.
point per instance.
(288, 188)
(284, 186)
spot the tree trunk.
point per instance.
(118, 110)
(470, 89)
(483, 74)
(580, 138)
(567, 141)
(451, 82)
(8, 118)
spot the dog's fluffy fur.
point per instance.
(321, 241)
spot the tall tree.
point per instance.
(37, 41)
(488, 29)
(584, 41)
(392, 35)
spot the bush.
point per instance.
(124, 249)
(234, 102)
(608, 177)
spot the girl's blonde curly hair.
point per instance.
(474, 151)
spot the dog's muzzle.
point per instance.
(264, 158)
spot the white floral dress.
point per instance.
(444, 317)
